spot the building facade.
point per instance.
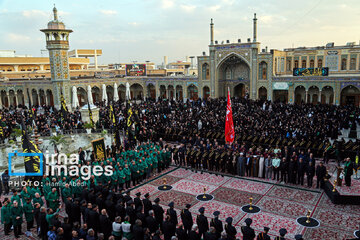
(242, 67)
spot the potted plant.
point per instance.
(104, 132)
(53, 132)
(17, 133)
(88, 127)
(57, 141)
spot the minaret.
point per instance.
(211, 32)
(255, 28)
(57, 42)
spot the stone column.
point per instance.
(319, 97)
(185, 93)
(8, 98)
(306, 96)
(16, 98)
(95, 58)
(38, 97)
(41, 67)
(1, 103)
(16, 68)
(46, 99)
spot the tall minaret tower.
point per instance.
(57, 42)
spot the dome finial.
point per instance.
(55, 13)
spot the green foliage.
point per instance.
(56, 140)
(88, 125)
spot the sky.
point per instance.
(141, 30)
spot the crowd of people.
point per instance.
(273, 141)
(265, 124)
(100, 212)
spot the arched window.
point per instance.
(263, 70)
(343, 64)
(296, 64)
(205, 71)
(352, 63)
(312, 63)
(303, 64)
(320, 63)
(288, 65)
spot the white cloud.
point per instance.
(134, 24)
(108, 12)
(229, 2)
(214, 8)
(343, 5)
(34, 13)
(270, 19)
(17, 37)
(167, 4)
(187, 8)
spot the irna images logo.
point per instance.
(33, 163)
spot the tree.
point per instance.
(56, 141)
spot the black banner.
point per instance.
(32, 163)
(99, 149)
(64, 110)
(1, 128)
(311, 71)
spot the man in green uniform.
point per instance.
(16, 215)
(127, 173)
(121, 177)
(53, 198)
(6, 216)
(15, 197)
(38, 199)
(29, 214)
(66, 192)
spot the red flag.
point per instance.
(229, 124)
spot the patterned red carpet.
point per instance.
(280, 205)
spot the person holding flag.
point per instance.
(32, 163)
(64, 111)
(229, 124)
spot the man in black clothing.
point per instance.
(292, 171)
(264, 235)
(202, 222)
(320, 174)
(158, 211)
(211, 234)
(247, 231)
(105, 224)
(93, 219)
(67, 227)
(169, 228)
(217, 224)
(130, 211)
(283, 169)
(44, 226)
(137, 201)
(282, 233)
(75, 215)
(186, 218)
(193, 235)
(147, 204)
(151, 222)
(138, 230)
(181, 233)
(301, 168)
(172, 213)
(230, 229)
(310, 172)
